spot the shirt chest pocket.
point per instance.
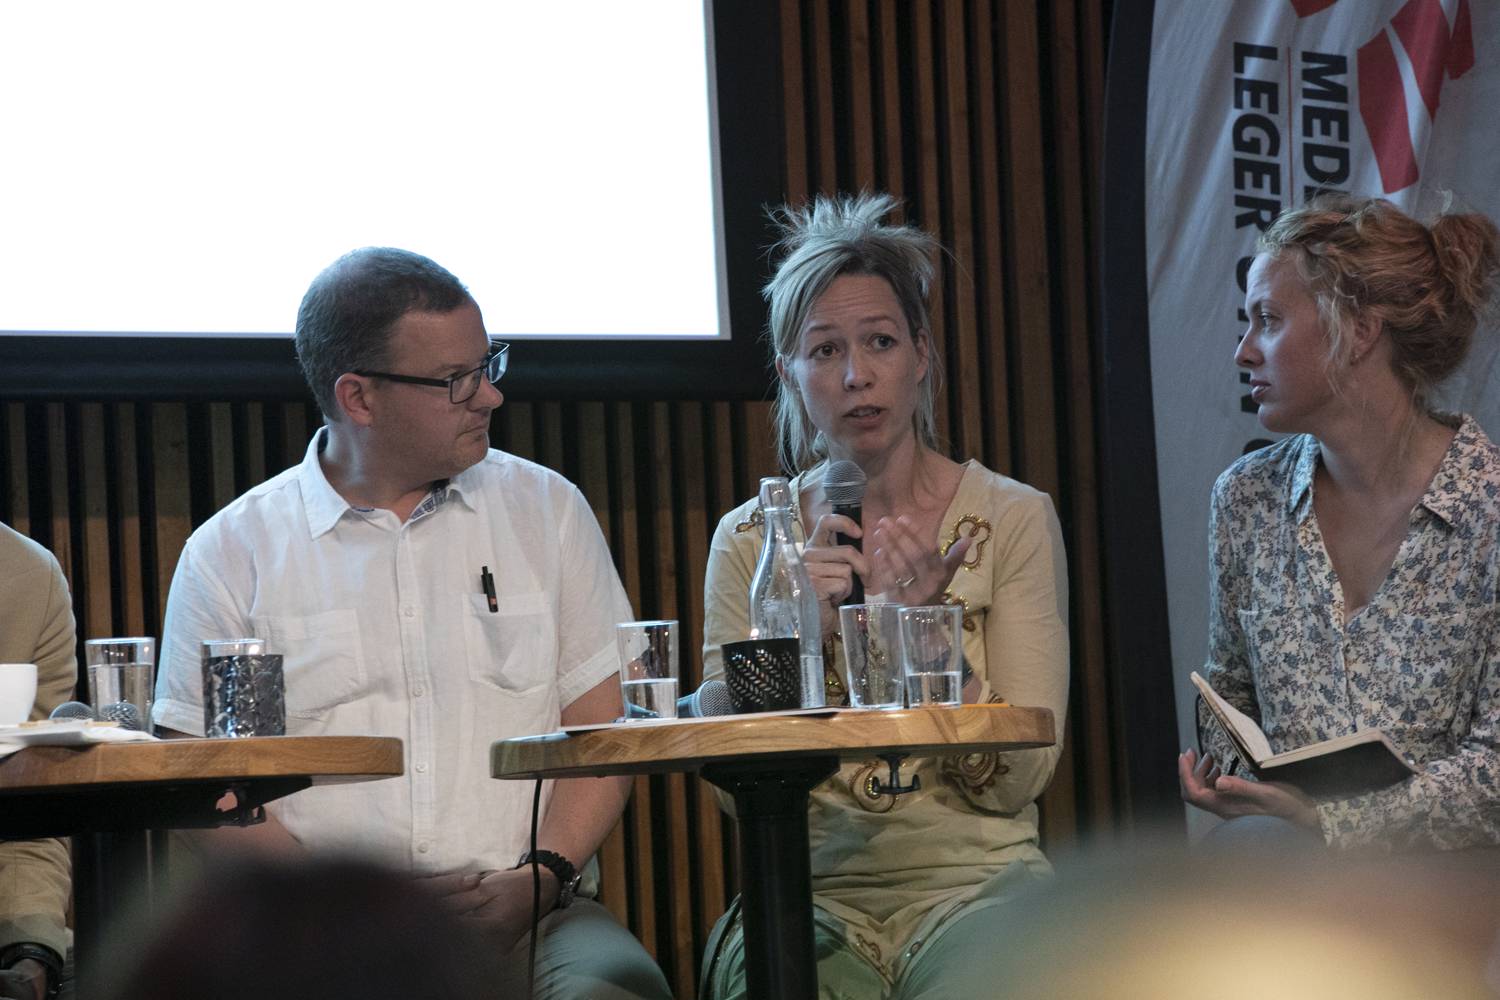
(1420, 670)
(514, 648)
(323, 663)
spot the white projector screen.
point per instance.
(183, 169)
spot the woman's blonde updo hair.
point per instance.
(827, 239)
(1365, 257)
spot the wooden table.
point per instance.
(107, 795)
(769, 763)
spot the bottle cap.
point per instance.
(775, 491)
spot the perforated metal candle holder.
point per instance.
(244, 695)
(764, 675)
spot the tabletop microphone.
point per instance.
(70, 710)
(711, 698)
(123, 712)
(844, 485)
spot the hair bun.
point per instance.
(1467, 257)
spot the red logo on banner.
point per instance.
(1435, 52)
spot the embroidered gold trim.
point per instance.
(976, 772)
(970, 623)
(834, 693)
(979, 530)
(866, 793)
(872, 952)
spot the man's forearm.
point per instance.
(580, 816)
(583, 810)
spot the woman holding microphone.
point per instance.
(908, 890)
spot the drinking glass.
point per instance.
(872, 655)
(932, 641)
(122, 672)
(648, 669)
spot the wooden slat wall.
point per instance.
(986, 118)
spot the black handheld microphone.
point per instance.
(844, 485)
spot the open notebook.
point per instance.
(1333, 769)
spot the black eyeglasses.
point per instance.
(461, 387)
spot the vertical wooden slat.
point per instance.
(169, 462)
(296, 432)
(888, 42)
(253, 447)
(959, 332)
(929, 162)
(18, 484)
(60, 514)
(520, 430)
(860, 109)
(992, 366)
(549, 432)
(792, 100)
(127, 527)
(221, 454)
(823, 144)
(95, 590)
(1026, 212)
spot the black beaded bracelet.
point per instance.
(40, 953)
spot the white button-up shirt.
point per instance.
(386, 631)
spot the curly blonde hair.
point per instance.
(827, 239)
(1427, 286)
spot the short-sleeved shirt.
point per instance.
(386, 631)
(1419, 661)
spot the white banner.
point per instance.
(1254, 105)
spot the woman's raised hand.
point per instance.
(832, 567)
(907, 569)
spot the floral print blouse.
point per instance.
(1419, 661)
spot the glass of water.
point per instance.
(932, 645)
(648, 669)
(122, 679)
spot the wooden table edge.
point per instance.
(323, 759)
(622, 750)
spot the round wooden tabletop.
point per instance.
(688, 744)
(324, 759)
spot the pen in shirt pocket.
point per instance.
(488, 583)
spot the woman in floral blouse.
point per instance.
(1356, 564)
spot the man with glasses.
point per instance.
(422, 585)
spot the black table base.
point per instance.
(111, 854)
(771, 800)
